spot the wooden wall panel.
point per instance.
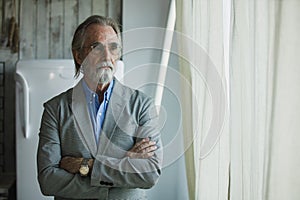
(8, 9)
(99, 7)
(47, 26)
(28, 27)
(9, 163)
(84, 9)
(1, 19)
(42, 33)
(114, 9)
(56, 29)
(71, 22)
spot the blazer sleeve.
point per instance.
(127, 172)
(53, 180)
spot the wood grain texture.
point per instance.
(47, 27)
(28, 29)
(99, 7)
(43, 19)
(56, 29)
(70, 24)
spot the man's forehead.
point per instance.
(96, 31)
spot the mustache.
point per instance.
(105, 64)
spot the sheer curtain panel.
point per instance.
(264, 93)
(202, 43)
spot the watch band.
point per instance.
(84, 161)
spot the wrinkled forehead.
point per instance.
(99, 33)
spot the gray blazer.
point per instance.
(66, 130)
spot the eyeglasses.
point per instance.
(98, 48)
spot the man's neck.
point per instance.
(99, 88)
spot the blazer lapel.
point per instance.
(82, 118)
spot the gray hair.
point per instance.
(79, 35)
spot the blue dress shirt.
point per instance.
(96, 110)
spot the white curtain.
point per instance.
(265, 94)
(202, 44)
(256, 156)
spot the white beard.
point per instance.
(104, 76)
(100, 75)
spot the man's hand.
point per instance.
(143, 149)
(72, 164)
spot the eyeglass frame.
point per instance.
(96, 44)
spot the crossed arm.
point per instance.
(141, 150)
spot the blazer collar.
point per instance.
(82, 118)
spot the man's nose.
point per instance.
(106, 53)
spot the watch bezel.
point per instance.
(84, 167)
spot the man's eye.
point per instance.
(99, 47)
(113, 46)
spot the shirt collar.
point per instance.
(90, 94)
(108, 92)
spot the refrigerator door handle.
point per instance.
(23, 104)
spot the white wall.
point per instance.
(141, 71)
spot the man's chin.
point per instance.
(100, 82)
(105, 80)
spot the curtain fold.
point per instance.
(283, 176)
(186, 92)
(248, 88)
(264, 93)
(201, 23)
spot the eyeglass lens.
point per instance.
(113, 47)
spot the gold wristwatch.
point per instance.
(84, 167)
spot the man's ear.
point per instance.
(77, 56)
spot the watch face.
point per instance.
(84, 170)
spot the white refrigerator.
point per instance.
(36, 82)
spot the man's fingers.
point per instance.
(138, 144)
(142, 149)
(142, 146)
(148, 149)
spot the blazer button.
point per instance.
(106, 183)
